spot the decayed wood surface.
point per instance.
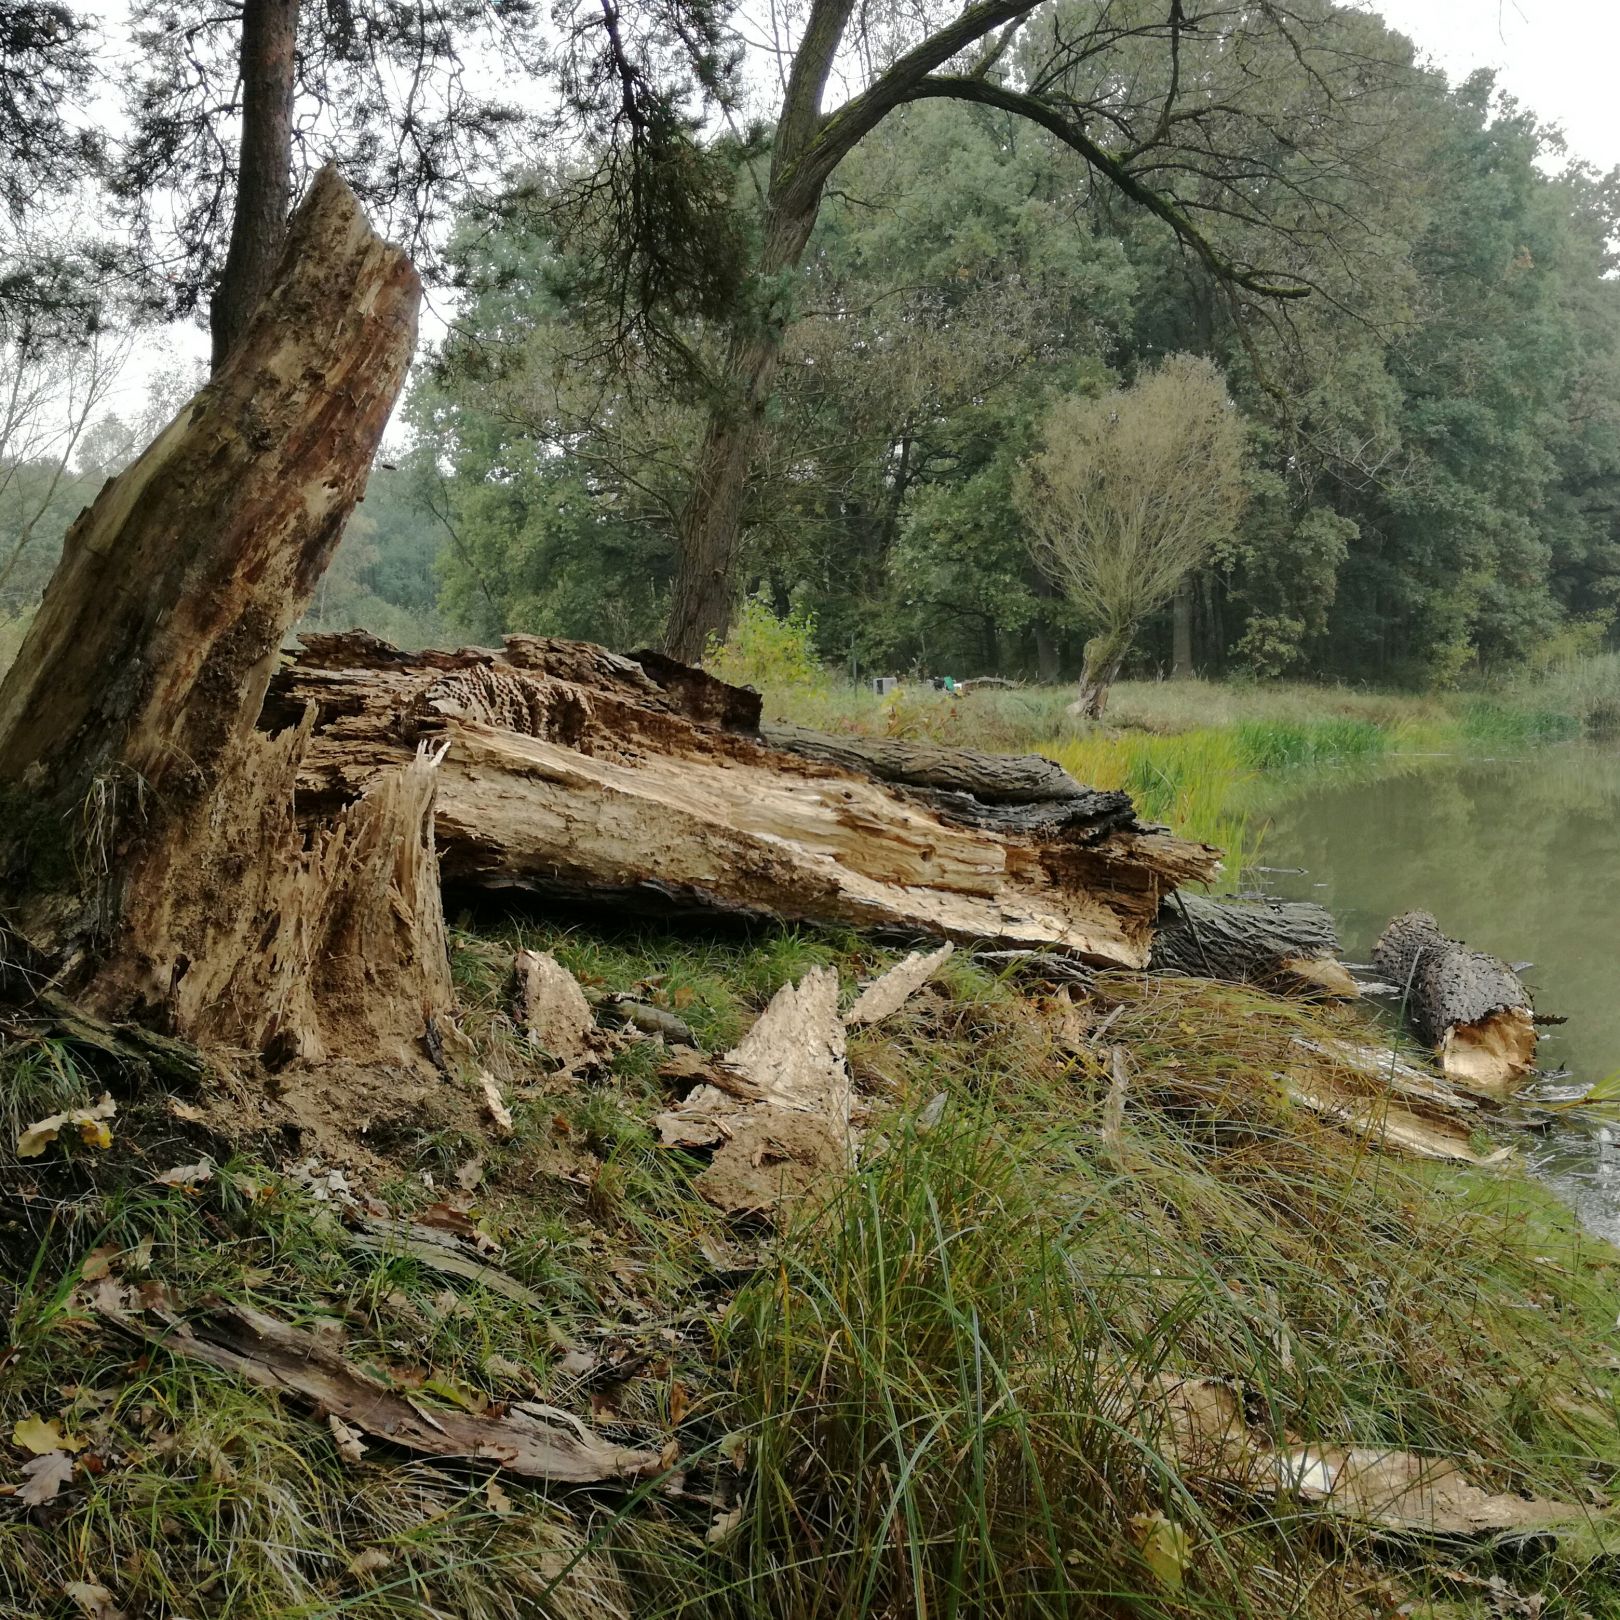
(1469, 1007)
(575, 772)
(1283, 946)
(150, 859)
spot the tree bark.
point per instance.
(150, 862)
(1105, 653)
(1181, 631)
(572, 773)
(709, 534)
(1471, 1009)
(264, 169)
(1281, 946)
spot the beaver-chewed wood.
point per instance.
(1283, 945)
(1472, 1009)
(573, 772)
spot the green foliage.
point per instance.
(771, 654)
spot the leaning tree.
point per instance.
(1161, 100)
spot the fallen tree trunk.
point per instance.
(573, 772)
(1469, 1007)
(150, 862)
(1284, 946)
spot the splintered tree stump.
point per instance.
(638, 782)
(1470, 1008)
(1281, 945)
(151, 862)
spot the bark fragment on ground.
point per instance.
(779, 1121)
(1201, 1423)
(532, 1441)
(1471, 1009)
(1290, 946)
(576, 773)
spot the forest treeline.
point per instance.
(1431, 437)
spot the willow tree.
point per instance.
(1189, 143)
(1127, 495)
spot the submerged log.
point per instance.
(574, 772)
(1280, 945)
(1472, 1009)
(150, 862)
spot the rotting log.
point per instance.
(1471, 1009)
(577, 773)
(150, 862)
(1281, 945)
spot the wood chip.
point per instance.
(889, 993)
(493, 1101)
(551, 1007)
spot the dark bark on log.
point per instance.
(991, 778)
(1469, 1007)
(149, 855)
(1291, 946)
(574, 773)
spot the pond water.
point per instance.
(1519, 857)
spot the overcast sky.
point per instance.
(1557, 56)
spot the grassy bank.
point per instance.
(938, 1391)
(1208, 757)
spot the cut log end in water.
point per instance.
(1471, 1009)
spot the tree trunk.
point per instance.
(1281, 946)
(1470, 1008)
(709, 534)
(150, 862)
(572, 773)
(1105, 653)
(1181, 631)
(264, 169)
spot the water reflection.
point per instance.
(1519, 857)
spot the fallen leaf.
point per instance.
(499, 1366)
(92, 1599)
(188, 1177)
(370, 1562)
(98, 1263)
(470, 1174)
(1165, 1548)
(351, 1448)
(680, 1403)
(189, 1112)
(498, 1111)
(499, 1501)
(724, 1526)
(89, 1122)
(734, 1448)
(44, 1477)
(43, 1436)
